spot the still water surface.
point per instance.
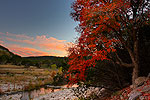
(28, 95)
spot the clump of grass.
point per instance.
(53, 73)
(48, 80)
(1, 92)
(30, 86)
(8, 89)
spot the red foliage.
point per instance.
(101, 21)
(92, 45)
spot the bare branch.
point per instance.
(120, 62)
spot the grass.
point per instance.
(30, 77)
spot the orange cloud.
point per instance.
(46, 45)
(1, 42)
(42, 42)
(22, 36)
(1, 33)
(11, 39)
(26, 51)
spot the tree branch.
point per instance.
(120, 62)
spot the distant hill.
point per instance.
(5, 51)
(7, 57)
(40, 61)
(43, 57)
(3, 48)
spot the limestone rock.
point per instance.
(144, 87)
(140, 81)
(134, 95)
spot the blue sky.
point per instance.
(48, 19)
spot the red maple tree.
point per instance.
(105, 25)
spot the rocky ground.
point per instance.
(74, 93)
(66, 94)
(58, 94)
(63, 93)
(141, 92)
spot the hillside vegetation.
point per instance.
(7, 57)
(5, 51)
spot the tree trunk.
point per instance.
(135, 74)
(135, 60)
(136, 63)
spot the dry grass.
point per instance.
(11, 66)
(26, 76)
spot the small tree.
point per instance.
(4, 59)
(53, 66)
(16, 60)
(27, 63)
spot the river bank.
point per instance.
(48, 93)
(18, 78)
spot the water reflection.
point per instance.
(28, 95)
(35, 93)
(25, 96)
(32, 94)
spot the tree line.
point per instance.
(29, 61)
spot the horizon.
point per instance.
(37, 27)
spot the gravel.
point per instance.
(66, 94)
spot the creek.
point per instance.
(34, 94)
(28, 95)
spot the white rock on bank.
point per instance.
(11, 97)
(66, 94)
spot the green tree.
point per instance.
(4, 59)
(16, 60)
(53, 66)
(27, 63)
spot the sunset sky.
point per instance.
(36, 27)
